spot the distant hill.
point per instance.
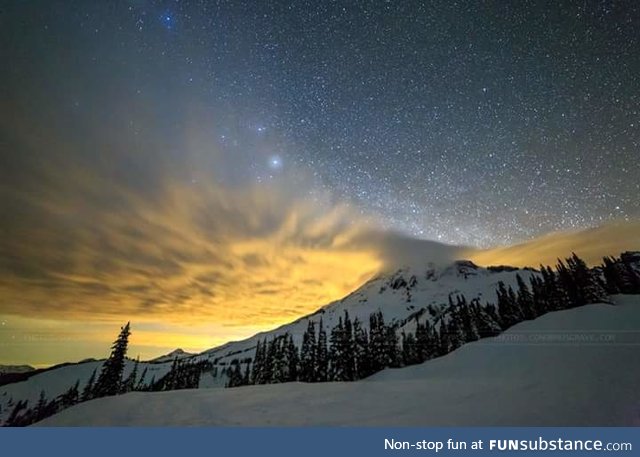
(7, 369)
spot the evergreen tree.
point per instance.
(426, 341)
(322, 356)
(234, 374)
(129, 384)
(557, 297)
(589, 289)
(308, 360)
(336, 358)
(486, 319)
(41, 407)
(409, 349)
(566, 283)
(87, 392)
(539, 296)
(110, 378)
(492, 321)
(510, 313)
(246, 378)
(15, 418)
(455, 331)
(377, 342)
(271, 353)
(348, 349)
(391, 347)
(140, 385)
(362, 356)
(525, 299)
(292, 359)
(170, 381)
(444, 344)
(280, 364)
(257, 375)
(467, 319)
(71, 396)
(612, 276)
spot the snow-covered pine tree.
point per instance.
(336, 359)
(467, 320)
(525, 299)
(591, 290)
(612, 275)
(556, 295)
(140, 384)
(426, 341)
(565, 282)
(17, 413)
(70, 397)
(246, 377)
(409, 349)
(322, 355)
(510, 313)
(455, 329)
(377, 344)
(392, 349)
(269, 360)
(110, 378)
(539, 296)
(279, 363)
(361, 351)
(258, 364)
(308, 354)
(348, 349)
(292, 359)
(234, 374)
(87, 392)
(129, 384)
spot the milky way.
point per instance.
(480, 123)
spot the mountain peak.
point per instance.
(176, 353)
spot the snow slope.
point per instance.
(56, 381)
(576, 367)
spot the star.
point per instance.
(275, 162)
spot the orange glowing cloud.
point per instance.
(191, 259)
(591, 245)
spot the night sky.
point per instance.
(138, 138)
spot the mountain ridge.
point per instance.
(408, 299)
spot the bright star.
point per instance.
(167, 19)
(275, 162)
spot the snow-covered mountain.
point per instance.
(515, 379)
(407, 297)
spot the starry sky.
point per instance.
(155, 154)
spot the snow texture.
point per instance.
(516, 379)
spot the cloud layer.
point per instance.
(591, 244)
(175, 242)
